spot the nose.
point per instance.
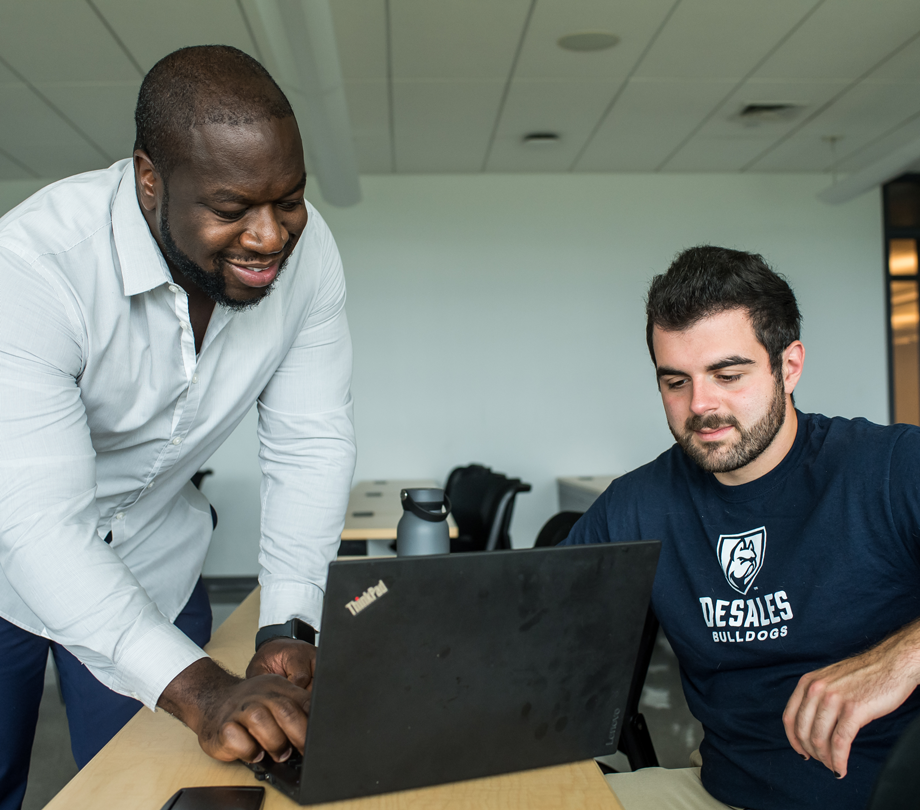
(264, 233)
(705, 397)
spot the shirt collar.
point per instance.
(142, 264)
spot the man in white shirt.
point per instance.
(136, 331)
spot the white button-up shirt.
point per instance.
(106, 412)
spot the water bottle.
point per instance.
(422, 529)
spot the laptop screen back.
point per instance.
(437, 669)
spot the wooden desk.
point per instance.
(374, 509)
(155, 755)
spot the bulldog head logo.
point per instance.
(741, 557)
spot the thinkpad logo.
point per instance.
(370, 596)
(741, 557)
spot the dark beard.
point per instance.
(751, 442)
(212, 284)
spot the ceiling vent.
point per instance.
(775, 112)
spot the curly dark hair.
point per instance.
(204, 84)
(707, 280)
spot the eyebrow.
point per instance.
(227, 196)
(734, 360)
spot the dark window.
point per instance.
(902, 234)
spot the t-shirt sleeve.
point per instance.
(904, 490)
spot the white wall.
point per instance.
(499, 319)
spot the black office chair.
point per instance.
(482, 502)
(556, 529)
(635, 740)
(898, 783)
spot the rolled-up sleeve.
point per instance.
(307, 455)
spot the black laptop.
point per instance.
(449, 667)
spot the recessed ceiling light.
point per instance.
(769, 112)
(541, 139)
(585, 41)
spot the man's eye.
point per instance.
(290, 205)
(729, 377)
(230, 216)
(673, 385)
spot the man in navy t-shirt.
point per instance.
(789, 577)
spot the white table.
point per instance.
(578, 492)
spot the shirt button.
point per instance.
(195, 379)
(150, 485)
(177, 440)
(173, 288)
(120, 516)
(183, 326)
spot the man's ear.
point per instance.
(793, 364)
(148, 181)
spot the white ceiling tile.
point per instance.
(105, 112)
(368, 109)
(843, 39)
(720, 39)
(649, 120)
(717, 154)
(908, 132)
(51, 40)
(32, 133)
(361, 37)
(857, 118)
(473, 39)
(10, 170)
(902, 66)
(152, 30)
(444, 126)
(634, 23)
(569, 108)
(726, 143)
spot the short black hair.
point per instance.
(204, 84)
(707, 280)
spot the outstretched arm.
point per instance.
(829, 706)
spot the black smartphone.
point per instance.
(216, 798)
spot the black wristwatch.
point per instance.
(295, 628)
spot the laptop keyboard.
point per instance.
(283, 775)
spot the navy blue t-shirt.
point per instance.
(761, 583)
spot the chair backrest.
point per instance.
(482, 503)
(556, 529)
(898, 783)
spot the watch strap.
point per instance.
(295, 628)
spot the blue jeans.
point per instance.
(94, 712)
